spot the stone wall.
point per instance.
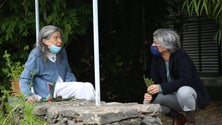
(83, 112)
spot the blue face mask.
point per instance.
(55, 49)
(154, 50)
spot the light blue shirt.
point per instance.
(168, 72)
(40, 73)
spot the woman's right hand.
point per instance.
(153, 89)
(147, 97)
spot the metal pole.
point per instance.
(37, 20)
(96, 51)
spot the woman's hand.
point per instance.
(32, 99)
(153, 89)
(147, 97)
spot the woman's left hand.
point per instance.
(31, 99)
(153, 89)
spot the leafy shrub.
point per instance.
(15, 110)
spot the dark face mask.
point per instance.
(154, 50)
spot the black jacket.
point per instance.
(182, 72)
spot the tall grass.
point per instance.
(16, 111)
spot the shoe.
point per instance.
(180, 121)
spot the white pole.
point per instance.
(37, 20)
(96, 51)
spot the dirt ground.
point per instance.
(212, 115)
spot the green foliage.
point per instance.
(15, 110)
(148, 81)
(72, 19)
(213, 9)
(29, 117)
(12, 70)
(18, 18)
(3, 102)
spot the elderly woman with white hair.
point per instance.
(178, 87)
(48, 71)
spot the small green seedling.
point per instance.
(148, 81)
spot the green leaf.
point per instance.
(195, 7)
(202, 7)
(219, 12)
(206, 7)
(148, 81)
